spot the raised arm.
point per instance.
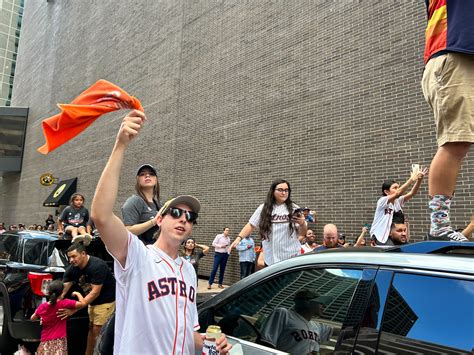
(401, 190)
(81, 303)
(205, 248)
(419, 178)
(112, 231)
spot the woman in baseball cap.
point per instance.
(140, 210)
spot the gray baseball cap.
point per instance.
(146, 166)
(188, 200)
(310, 295)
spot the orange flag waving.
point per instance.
(100, 98)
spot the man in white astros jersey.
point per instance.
(156, 290)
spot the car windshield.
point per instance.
(9, 247)
(35, 252)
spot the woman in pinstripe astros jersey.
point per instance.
(278, 225)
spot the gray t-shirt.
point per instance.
(289, 331)
(135, 211)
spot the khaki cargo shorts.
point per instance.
(448, 87)
(99, 314)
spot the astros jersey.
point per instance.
(288, 331)
(383, 217)
(450, 27)
(156, 302)
(280, 245)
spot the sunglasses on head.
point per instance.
(176, 213)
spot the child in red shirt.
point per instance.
(53, 334)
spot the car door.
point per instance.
(428, 314)
(412, 312)
(245, 315)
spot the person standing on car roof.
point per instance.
(97, 282)
(139, 212)
(278, 224)
(392, 200)
(448, 88)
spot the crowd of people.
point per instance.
(49, 225)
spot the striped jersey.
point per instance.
(156, 302)
(450, 27)
(279, 245)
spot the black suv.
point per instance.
(28, 261)
(417, 299)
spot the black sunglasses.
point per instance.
(176, 213)
(146, 172)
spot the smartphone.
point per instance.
(298, 211)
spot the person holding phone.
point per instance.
(391, 202)
(279, 222)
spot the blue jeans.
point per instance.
(246, 268)
(220, 260)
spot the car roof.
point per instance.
(373, 257)
(33, 234)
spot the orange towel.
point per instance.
(100, 98)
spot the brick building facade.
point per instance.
(325, 94)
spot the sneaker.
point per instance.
(84, 238)
(449, 235)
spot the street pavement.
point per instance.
(203, 294)
(202, 287)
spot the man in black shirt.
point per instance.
(98, 284)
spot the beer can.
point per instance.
(213, 333)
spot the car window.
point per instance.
(301, 310)
(427, 314)
(9, 247)
(35, 252)
(365, 316)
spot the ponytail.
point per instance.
(53, 299)
(55, 290)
